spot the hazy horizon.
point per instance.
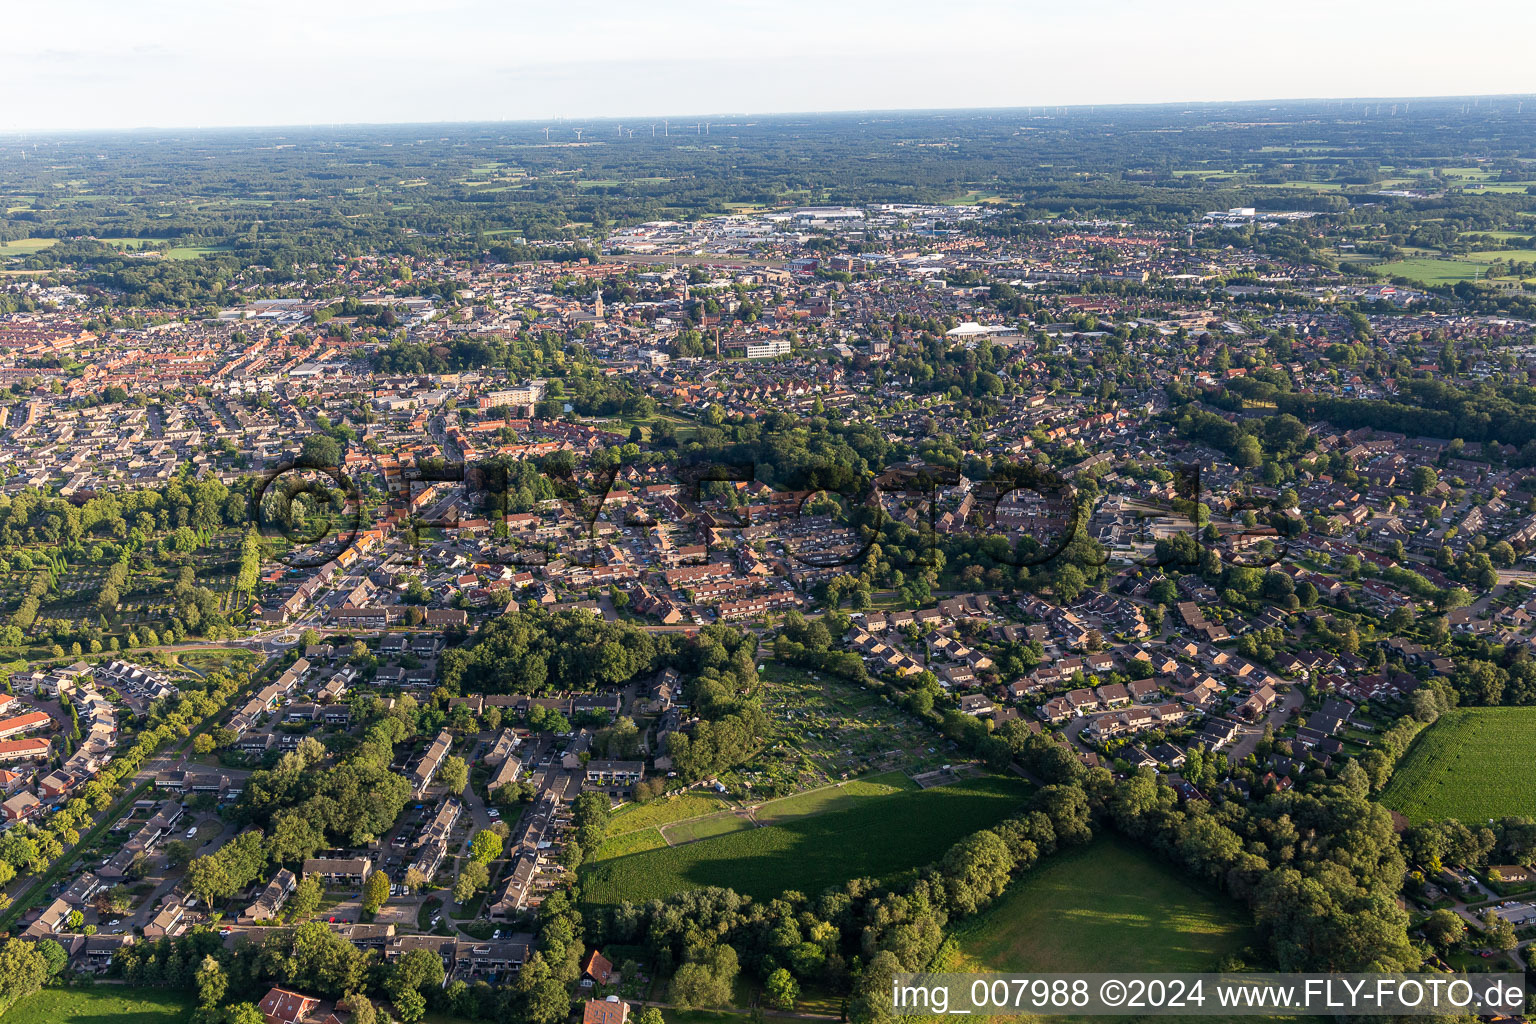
(683, 124)
(87, 65)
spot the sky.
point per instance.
(110, 64)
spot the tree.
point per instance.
(320, 451)
(1499, 932)
(361, 1008)
(707, 980)
(212, 982)
(485, 846)
(871, 999)
(227, 870)
(376, 892)
(411, 1006)
(472, 878)
(1444, 929)
(305, 899)
(317, 959)
(782, 989)
(454, 774)
(55, 955)
(23, 969)
(295, 837)
(413, 972)
(548, 1002)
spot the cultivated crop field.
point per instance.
(1473, 764)
(876, 836)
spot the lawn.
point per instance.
(877, 837)
(1473, 764)
(212, 659)
(1107, 906)
(103, 1004)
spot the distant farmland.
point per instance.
(1472, 765)
(877, 837)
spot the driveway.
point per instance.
(1248, 738)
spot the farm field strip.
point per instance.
(1473, 764)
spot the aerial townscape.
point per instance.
(695, 570)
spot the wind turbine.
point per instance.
(578, 133)
(546, 133)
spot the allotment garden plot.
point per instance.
(824, 730)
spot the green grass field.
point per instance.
(831, 798)
(103, 1004)
(26, 246)
(628, 843)
(1106, 906)
(1431, 271)
(876, 836)
(704, 828)
(1473, 764)
(192, 252)
(634, 817)
(1434, 270)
